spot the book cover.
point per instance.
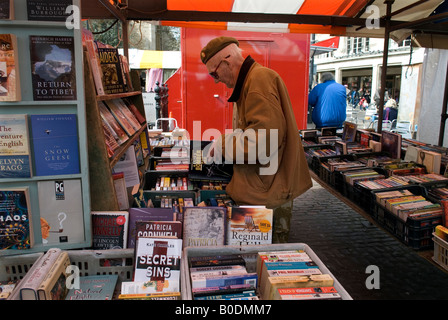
(141, 119)
(9, 68)
(157, 265)
(109, 59)
(15, 159)
(53, 68)
(204, 226)
(147, 214)
(109, 229)
(97, 287)
(128, 165)
(116, 111)
(15, 219)
(55, 144)
(54, 284)
(61, 211)
(431, 160)
(97, 73)
(391, 143)
(275, 283)
(157, 229)
(30, 285)
(349, 131)
(120, 190)
(132, 119)
(48, 10)
(249, 225)
(6, 9)
(121, 135)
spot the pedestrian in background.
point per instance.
(329, 103)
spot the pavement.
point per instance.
(351, 244)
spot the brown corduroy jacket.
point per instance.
(261, 101)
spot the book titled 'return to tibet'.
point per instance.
(15, 160)
(55, 144)
(9, 68)
(61, 211)
(53, 68)
(110, 229)
(249, 225)
(15, 219)
(48, 10)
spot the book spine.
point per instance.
(53, 286)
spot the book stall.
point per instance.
(401, 183)
(96, 206)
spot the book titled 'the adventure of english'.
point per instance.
(53, 68)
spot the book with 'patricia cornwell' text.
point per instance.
(53, 68)
(204, 226)
(55, 144)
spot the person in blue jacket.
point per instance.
(329, 102)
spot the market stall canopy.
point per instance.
(359, 18)
(148, 59)
(325, 46)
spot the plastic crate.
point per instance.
(414, 232)
(440, 252)
(249, 254)
(89, 262)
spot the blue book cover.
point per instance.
(14, 146)
(55, 144)
(97, 287)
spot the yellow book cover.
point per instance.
(274, 283)
(54, 286)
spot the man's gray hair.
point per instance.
(326, 76)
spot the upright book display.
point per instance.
(50, 59)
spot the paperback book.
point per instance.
(16, 230)
(97, 287)
(157, 267)
(54, 284)
(204, 226)
(15, 158)
(109, 229)
(6, 9)
(147, 214)
(9, 68)
(53, 68)
(61, 211)
(249, 225)
(55, 144)
(48, 10)
(109, 59)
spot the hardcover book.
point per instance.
(109, 59)
(249, 225)
(55, 144)
(147, 214)
(15, 160)
(157, 265)
(6, 9)
(30, 285)
(109, 229)
(126, 112)
(48, 10)
(97, 287)
(349, 131)
(97, 73)
(119, 116)
(157, 229)
(53, 68)
(204, 226)
(15, 219)
(61, 211)
(391, 143)
(9, 68)
(54, 284)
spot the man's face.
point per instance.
(220, 71)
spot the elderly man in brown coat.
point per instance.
(269, 164)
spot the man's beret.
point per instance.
(216, 45)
